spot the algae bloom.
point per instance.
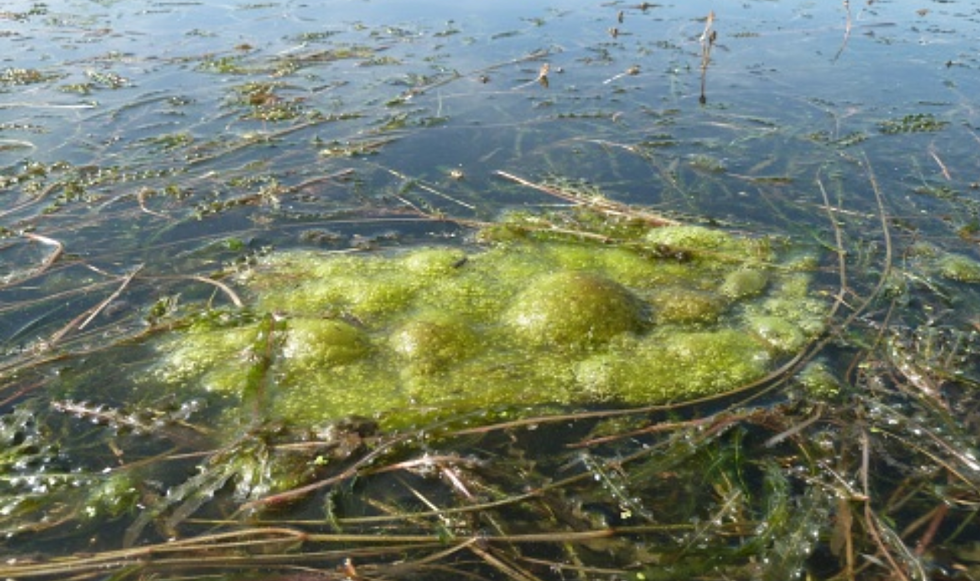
(434, 332)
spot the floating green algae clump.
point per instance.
(672, 314)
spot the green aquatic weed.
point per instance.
(912, 123)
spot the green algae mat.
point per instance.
(670, 314)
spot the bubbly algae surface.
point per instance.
(679, 313)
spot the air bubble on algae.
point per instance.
(573, 309)
(683, 306)
(743, 283)
(432, 341)
(316, 343)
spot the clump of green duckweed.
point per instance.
(19, 76)
(693, 237)
(933, 260)
(778, 333)
(673, 366)
(112, 497)
(523, 321)
(434, 261)
(213, 357)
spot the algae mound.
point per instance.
(675, 313)
(572, 309)
(433, 342)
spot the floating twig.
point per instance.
(939, 162)
(32, 105)
(337, 175)
(483, 73)
(423, 186)
(541, 79)
(630, 72)
(350, 472)
(141, 199)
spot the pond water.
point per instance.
(153, 153)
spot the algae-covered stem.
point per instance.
(600, 204)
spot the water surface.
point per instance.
(144, 143)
